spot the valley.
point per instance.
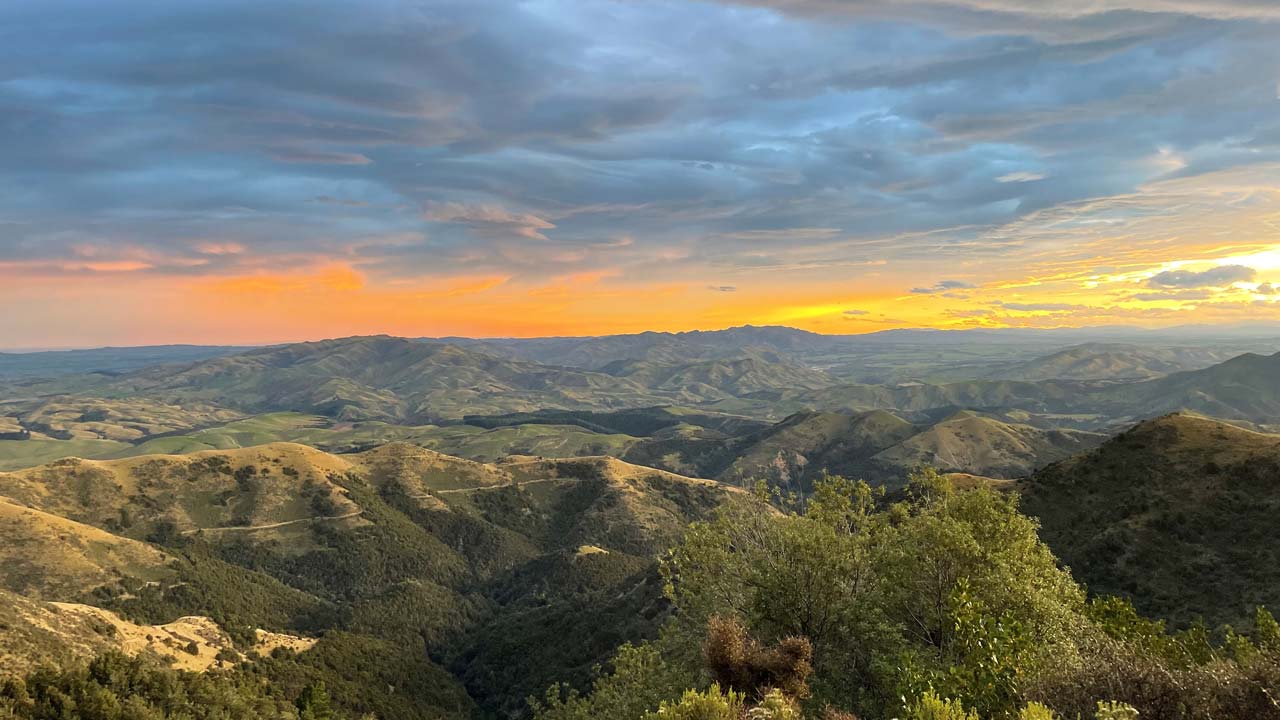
(492, 518)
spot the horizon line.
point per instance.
(1137, 329)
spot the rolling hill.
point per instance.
(967, 442)
(1177, 514)
(770, 343)
(799, 449)
(456, 563)
(1113, 361)
(394, 379)
(1246, 387)
(882, 448)
(49, 557)
(714, 379)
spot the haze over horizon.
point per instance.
(248, 173)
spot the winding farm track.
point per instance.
(270, 526)
(493, 487)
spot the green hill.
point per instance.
(1112, 361)
(1177, 514)
(967, 442)
(381, 378)
(712, 379)
(799, 449)
(1246, 387)
(399, 544)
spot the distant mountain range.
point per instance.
(406, 384)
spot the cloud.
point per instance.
(1220, 276)
(1020, 176)
(345, 202)
(1173, 295)
(943, 286)
(1267, 289)
(1011, 139)
(321, 158)
(489, 219)
(1047, 12)
(220, 248)
(1038, 307)
(856, 313)
(723, 288)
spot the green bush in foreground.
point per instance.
(944, 605)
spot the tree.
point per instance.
(313, 703)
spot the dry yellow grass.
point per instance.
(265, 485)
(38, 632)
(43, 555)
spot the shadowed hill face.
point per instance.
(1246, 387)
(1178, 514)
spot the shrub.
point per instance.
(710, 705)
(738, 662)
(1115, 711)
(932, 707)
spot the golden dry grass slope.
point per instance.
(46, 556)
(410, 545)
(34, 633)
(268, 487)
(971, 443)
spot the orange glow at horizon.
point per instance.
(1095, 263)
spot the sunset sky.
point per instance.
(251, 172)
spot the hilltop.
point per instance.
(1113, 361)
(1177, 514)
(1246, 387)
(970, 443)
(797, 450)
(463, 573)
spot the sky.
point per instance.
(262, 171)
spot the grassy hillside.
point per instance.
(1177, 514)
(1243, 388)
(971, 443)
(46, 556)
(1113, 361)
(271, 485)
(396, 545)
(38, 633)
(802, 447)
(709, 380)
